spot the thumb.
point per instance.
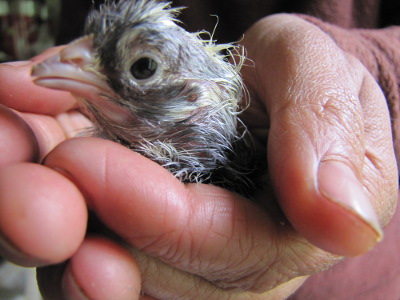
(316, 141)
(326, 203)
(20, 93)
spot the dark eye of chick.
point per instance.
(144, 68)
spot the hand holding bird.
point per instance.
(199, 240)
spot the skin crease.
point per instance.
(200, 241)
(26, 146)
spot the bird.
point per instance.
(162, 91)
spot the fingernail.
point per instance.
(338, 183)
(71, 289)
(17, 63)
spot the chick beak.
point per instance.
(73, 69)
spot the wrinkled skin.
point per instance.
(327, 126)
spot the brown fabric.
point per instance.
(372, 276)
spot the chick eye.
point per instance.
(144, 68)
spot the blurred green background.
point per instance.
(27, 27)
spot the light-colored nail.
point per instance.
(338, 183)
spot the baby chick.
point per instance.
(157, 89)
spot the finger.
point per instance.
(103, 262)
(29, 137)
(163, 282)
(380, 166)
(100, 269)
(20, 93)
(100, 263)
(50, 131)
(42, 215)
(200, 229)
(316, 142)
(17, 140)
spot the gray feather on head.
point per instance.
(165, 93)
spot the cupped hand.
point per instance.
(326, 127)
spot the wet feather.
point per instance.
(164, 92)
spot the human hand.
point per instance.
(33, 121)
(329, 148)
(207, 240)
(43, 214)
(43, 217)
